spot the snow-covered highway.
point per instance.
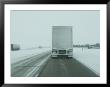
(38, 63)
(30, 66)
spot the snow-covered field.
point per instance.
(89, 57)
(23, 54)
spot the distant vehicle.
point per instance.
(93, 47)
(62, 44)
(15, 47)
(40, 47)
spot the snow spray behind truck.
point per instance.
(62, 44)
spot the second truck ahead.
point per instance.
(62, 44)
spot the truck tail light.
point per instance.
(70, 50)
(54, 51)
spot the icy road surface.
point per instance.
(27, 63)
(23, 54)
(89, 57)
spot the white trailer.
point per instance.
(62, 44)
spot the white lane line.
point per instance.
(30, 73)
(38, 67)
(43, 63)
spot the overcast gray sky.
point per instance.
(34, 28)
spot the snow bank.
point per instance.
(89, 57)
(23, 54)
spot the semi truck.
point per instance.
(15, 47)
(62, 42)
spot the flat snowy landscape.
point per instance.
(89, 57)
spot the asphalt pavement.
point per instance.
(62, 67)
